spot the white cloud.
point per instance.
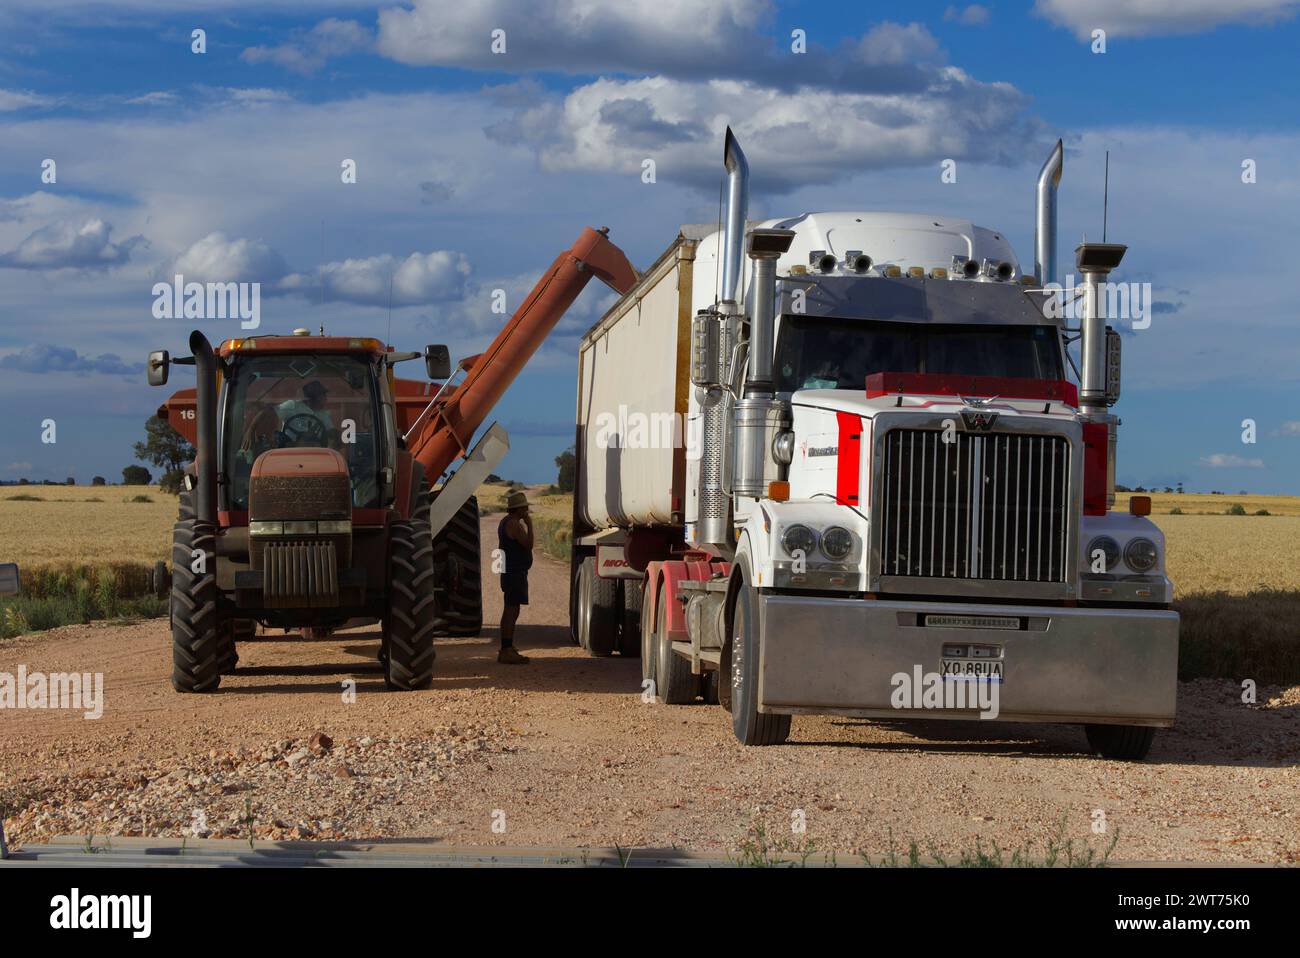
(155, 98)
(21, 100)
(308, 52)
(973, 15)
(18, 468)
(1225, 460)
(1160, 17)
(417, 279)
(893, 44)
(66, 246)
(614, 125)
(574, 36)
(1291, 428)
(218, 259)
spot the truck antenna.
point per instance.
(1105, 197)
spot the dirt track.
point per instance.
(563, 752)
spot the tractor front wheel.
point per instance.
(201, 646)
(409, 622)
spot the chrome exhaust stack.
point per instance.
(737, 209)
(1099, 348)
(1049, 179)
(719, 327)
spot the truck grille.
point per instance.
(991, 506)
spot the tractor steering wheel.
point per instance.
(304, 429)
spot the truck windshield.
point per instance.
(821, 353)
(295, 400)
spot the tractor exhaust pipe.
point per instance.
(1049, 179)
(733, 242)
(205, 460)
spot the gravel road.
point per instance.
(564, 753)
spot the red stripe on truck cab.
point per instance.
(849, 462)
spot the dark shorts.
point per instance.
(514, 585)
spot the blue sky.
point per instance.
(475, 169)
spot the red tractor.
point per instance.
(315, 494)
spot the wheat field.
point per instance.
(101, 524)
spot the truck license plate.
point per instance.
(971, 670)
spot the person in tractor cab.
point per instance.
(515, 540)
(297, 415)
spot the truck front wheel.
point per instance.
(750, 726)
(1129, 743)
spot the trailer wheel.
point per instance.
(629, 635)
(581, 602)
(604, 614)
(1129, 743)
(199, 643)
(458, 572)
(750, 726)
(677, 684)
(408, 624)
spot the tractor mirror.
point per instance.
(437, 362)
(9, 578)
(159, 361)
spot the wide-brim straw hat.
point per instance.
(515, 500)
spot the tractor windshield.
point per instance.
(824, 353)
(301, 399)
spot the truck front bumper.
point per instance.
(843, 656)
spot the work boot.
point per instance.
(510, 656)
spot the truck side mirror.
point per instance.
(159, 362)
(437, 362)
(9, 579)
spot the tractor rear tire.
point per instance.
(408, 624)
(458, 572)
(751, 727)
(1127, 743)
(602, 633)
(629, 634)
(200, 643)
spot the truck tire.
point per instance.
(676, 683)
(408, 624)
(200, 644)
(629, 634)
(602, 629)
(458, 574)
(581, 602)
(750, 726)
(649, 648)
(1129, 743)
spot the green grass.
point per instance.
(70, 593)
(1252, 636)
(24, 497)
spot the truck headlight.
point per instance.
(837, 542)
(1141, 554)
(1109, 548)
(798, 539)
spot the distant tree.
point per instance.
(99, 481)
(493, 477)
(567, 463)
(72, 480)
(167, 449)
(1180, 488)
(1169, 489)
(136, 476)
(1121, 488)
(24, 481)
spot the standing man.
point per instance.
(515, 540)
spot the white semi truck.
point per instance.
(856, 479)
